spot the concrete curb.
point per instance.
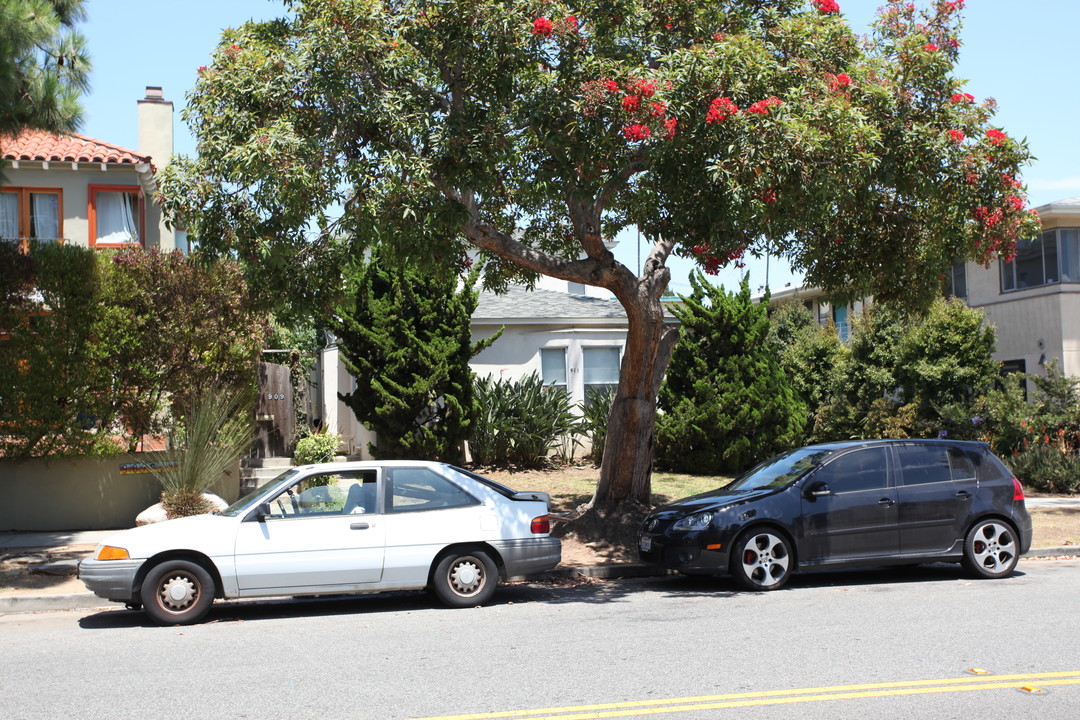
(614, 571)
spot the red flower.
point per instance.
(701, 249)
(612, 86)
(768, 196)
(962, 98)
(202, 68)
(956, 135)
(658, 108)
(761, 107)
(827, 7)
(571, 23)
(930, 47)
(669, 126)
(836, 82)
(953, 42)
(1016, 202)
(644, 88)
(996, 137)
(543, 26)
(631, 103)
(636, 131)
(720, 109)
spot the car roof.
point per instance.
(362, 464)
(844, 444)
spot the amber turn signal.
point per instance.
(541, 524)
(108, 552)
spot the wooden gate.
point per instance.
(275, 417)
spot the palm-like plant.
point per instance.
(203, 445)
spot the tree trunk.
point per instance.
(626, 469)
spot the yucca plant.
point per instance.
(203, 445)
(519, 422)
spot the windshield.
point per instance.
(245, 502)
(779, 471)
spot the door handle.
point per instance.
(886, 502)
(963, 495)
(359, 526)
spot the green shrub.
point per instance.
(1045, 468)
(318, 448)
(597, 409)
(520, 422)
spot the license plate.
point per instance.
(645, 543)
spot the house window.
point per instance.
(600, 368)
(553, 367)
(116, 215)
(31, 213)
(1053, 257)
(956, 281)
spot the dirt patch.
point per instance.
(1055, 526)
(42, 571)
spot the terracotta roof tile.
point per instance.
(40, 146)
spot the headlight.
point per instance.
(698, 521)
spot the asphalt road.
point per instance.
(898, 643)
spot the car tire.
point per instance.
(762, 560)
(991, 549)
(465, 578)
(177, 592)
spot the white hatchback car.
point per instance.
(340, 528)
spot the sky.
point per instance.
(1022, 54)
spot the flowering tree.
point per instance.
(534, 129)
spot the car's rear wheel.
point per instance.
(465, 579)
(177, 592)
(990, 549)
(762, 560)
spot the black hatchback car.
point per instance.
(844, 504)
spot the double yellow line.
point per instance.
(637, 708)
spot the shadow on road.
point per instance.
(561, 592)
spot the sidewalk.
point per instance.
(613, 571)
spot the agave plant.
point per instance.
(202, 446)
(519, 422)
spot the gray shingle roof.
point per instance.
(521, 304)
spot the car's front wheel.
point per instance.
(990, 550)
(177, 592)
(465, 579)
(762, 560)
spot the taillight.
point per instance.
(1018, 490)
(541, 524)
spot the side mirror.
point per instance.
(262, 512)
(818, 489)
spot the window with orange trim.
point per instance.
(31, 213)
(116, 215)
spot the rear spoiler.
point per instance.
(529, 495)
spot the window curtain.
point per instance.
(9, 216)
(116, 217)
(45, 216)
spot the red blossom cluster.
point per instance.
(720, 109)
(232, 51)
(965, 98)
(543, 26)
(930, 47)
(713, 263)
(768, 195)
(658, 108)
(761, 107)
(953, 42)
(836, 82)
(631, 103)
(996, 137)
(644, 88)
(827, 7)
(669, 127)
(637, 131)
(1015, 201)
(956, 135)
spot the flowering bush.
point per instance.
(543, 26)
(827, 7)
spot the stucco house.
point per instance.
(76, 189)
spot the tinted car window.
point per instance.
(778, 471)
(962, 463)
(922, 464)
(859, 470)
